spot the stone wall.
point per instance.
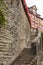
(16, 35)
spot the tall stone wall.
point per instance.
(16, 35)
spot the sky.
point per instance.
(39, 5)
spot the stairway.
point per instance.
(33, 62)
(33, 34)
(25, 58)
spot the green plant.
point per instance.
(2, 18)
(1, 1)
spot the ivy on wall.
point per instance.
(2, 17)
(1, 0)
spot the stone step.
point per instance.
(25, 58)
(33, 61)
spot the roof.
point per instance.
(33, 7)
(37, 15)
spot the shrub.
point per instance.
(1, 0)
(2, 18)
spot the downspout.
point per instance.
(26, 10)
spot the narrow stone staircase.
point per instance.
(33, 34)
(25, 58)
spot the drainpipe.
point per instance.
(26, 10)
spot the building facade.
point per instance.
(36, 27)
(36, 20)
